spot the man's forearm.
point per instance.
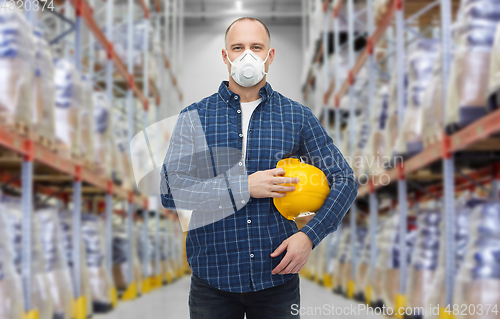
(207, 195)
(329, 216)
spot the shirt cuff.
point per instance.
(237, 179)
(314, 231)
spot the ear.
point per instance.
(224, 56)
(271, 56)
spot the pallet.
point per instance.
(90, 165)
(430, 139)
(42, 140)
(485, 145)
(10, 160)
(10, 155)
(63, 151)
(16, 126)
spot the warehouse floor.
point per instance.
(172, 302)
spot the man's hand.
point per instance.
(262, 184)
(298, 248)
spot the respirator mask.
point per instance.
(248, 69)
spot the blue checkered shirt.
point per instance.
(232, 253)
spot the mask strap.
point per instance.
(267, 55)
(227, 54)
(264, 64)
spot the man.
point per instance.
(221, 163)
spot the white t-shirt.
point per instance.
(246, 112)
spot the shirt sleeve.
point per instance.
(317, 148)
(193, 179)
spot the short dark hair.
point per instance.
(251, 19)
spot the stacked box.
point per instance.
(361, 232)
(463, 210)
(363, 270)
(154, 246)
(340, 266)
(163, 250)
(120, 265)
(102, 133)
(44, 92)
(121, 46)
(421, 58)
(364, 275)
(87, 122)
(137, 262)
(121, 262)
(100, 281)
(494, 80)
(17, 70)
(66, 220)
(470, 73)
(432, 108)
(56, 267)
(69, 95)
(39, 290)
(363, 134)
(375, 280)
(145, 246)
(11, 294)
(120, 132)
(375, 151)
(332, 250)
(478, 280)
(391, 131)
(424, 262)
(389, 259)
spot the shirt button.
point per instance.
(235, 97)
(220, 206)
(240, 163)
(242, 201)
(241, 135)
(238, 111)
(249, 221)
(251, 255)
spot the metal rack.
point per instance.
(401, 14)
(67, 169)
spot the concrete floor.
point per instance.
(171, 301)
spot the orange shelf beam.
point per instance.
(14, 142)
(474, 132)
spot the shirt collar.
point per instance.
(228, 96)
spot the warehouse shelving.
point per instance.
(463, 140)
(84, 10)
(40, 154)
(475, 137)
(30, 157)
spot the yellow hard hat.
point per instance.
(310, 192)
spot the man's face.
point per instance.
(247, 35)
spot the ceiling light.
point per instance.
(239, 5)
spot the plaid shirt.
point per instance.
(230, 247)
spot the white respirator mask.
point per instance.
(248, 69)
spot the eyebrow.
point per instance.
(241, 44)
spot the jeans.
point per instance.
(207, 302)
